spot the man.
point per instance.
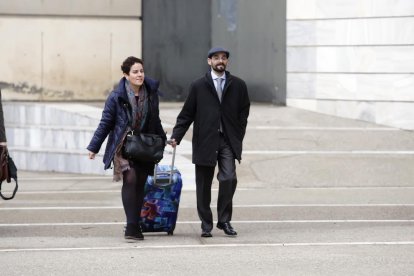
(219, 105)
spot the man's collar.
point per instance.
(214, 76)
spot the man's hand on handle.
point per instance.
(172, 143)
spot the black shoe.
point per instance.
(133, 232)
(227, 228)
(206, 234)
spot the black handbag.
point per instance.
(143, 147)
(8, 171)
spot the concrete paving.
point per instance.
(317, 195)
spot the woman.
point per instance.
(137, 95)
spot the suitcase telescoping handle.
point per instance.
(171, 168)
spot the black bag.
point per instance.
(8, 171)
(143, 147)
(4, 168)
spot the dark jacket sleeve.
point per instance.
(244, 109)
(186, 116)
(2, 127)
(105, 125)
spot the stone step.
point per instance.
(77, 161)
(56, 160)
(50, 136)
(54, 137)
(61, 114)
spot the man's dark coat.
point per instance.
(203, 107)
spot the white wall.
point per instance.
(66, 50)
(352, 58)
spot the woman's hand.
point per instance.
(92, 155)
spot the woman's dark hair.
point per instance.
(127, 64)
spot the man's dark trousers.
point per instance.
(227, 186)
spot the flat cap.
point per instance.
(215, 50)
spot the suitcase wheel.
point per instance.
(170, 233)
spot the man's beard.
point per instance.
(220, 69)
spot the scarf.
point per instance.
(140, 109)
(139, 114)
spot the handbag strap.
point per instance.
(129, 115)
